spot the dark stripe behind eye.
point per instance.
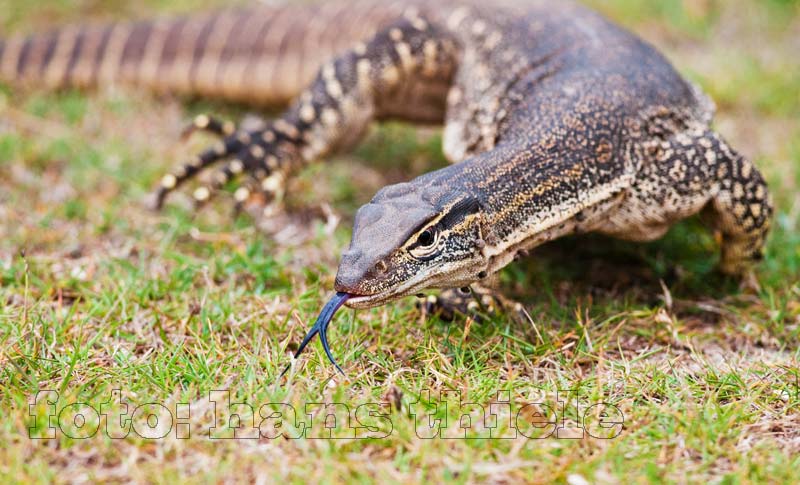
(456, 214)
(459, 211)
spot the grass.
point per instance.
(97, 293)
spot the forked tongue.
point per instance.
(321, 327)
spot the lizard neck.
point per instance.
(529, 198)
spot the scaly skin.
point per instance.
(557, 122)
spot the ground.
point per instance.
(99, 293)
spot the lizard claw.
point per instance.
(256, 153)
(210, 124)
(478, 303)
(450, 303)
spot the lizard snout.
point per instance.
(351, 272)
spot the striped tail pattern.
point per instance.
(261, 55)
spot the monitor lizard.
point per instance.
(557, 121)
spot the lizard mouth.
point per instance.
(378, 299)
(369, 301)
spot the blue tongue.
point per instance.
(321, 327)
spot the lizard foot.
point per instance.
(262, 153)
(477, 302)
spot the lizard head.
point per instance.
(410, 238)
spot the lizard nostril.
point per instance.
(381, 266)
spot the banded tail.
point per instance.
(262, 55)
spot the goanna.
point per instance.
(556, 121)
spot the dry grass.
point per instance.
(98, 293)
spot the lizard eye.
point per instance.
(427, 244)
(426, 238)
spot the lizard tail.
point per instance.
(263, 55)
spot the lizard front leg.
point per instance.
(403, 72)
(741, 209)
(696, 171)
